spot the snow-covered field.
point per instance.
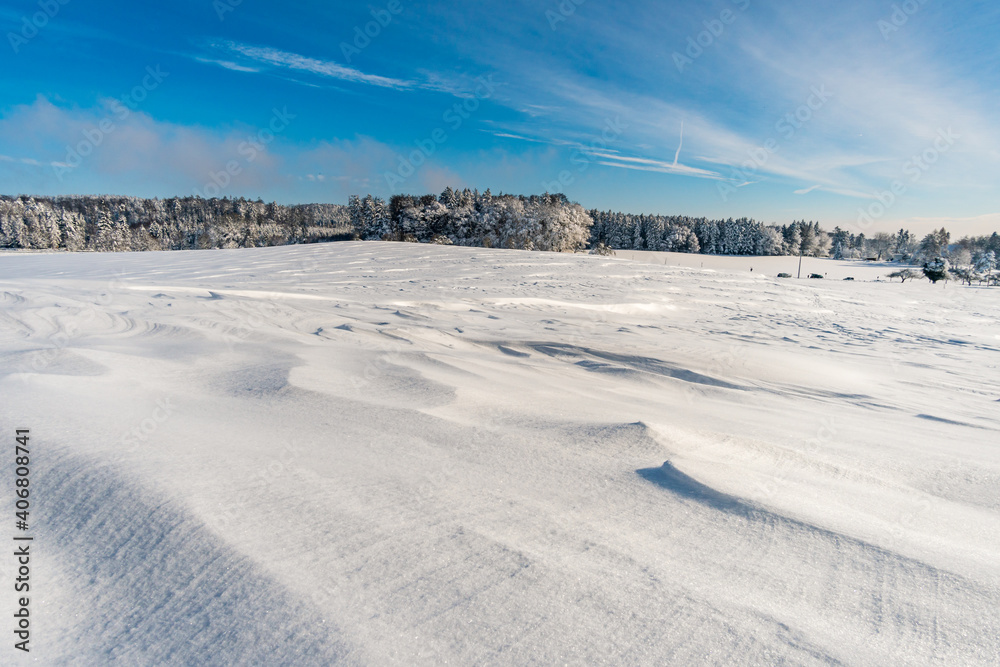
(769, 266)
(397, 454)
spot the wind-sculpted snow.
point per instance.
(765, 535)
(151, 585)
(403, 454)
(629, 363)
(684, 486)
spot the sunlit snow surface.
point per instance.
(382, 454)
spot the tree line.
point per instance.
(112, 223)
(473, 218)
(460, 217)
(743, 236)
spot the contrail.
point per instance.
(678, 155)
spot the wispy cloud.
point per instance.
(594, 87)
(647, 164)
(241, 57)
(29, 161)
(535, 140)
(227, 64)
(507, 135)
(264, 55)
(853, 143)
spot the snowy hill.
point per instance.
(399, 454)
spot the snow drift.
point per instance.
(380, 453)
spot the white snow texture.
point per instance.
(400, 454)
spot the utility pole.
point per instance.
(800, 263)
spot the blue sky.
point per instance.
(865, 114)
